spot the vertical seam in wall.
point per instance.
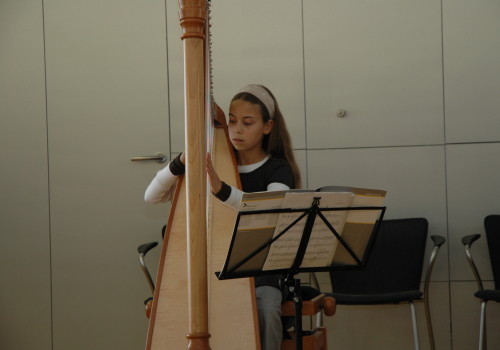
(304, 96)
(443, 76)
(168, 84)
(446, 177)
(48, 181)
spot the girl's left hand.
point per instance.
(214, 179)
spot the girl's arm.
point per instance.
(229, 195)
(235, 195)
(162, 186)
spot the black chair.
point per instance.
(492, 229)
(393, 272)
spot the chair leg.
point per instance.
(429, 324)
(415, 327)
(482, 327)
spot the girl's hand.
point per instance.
(214, 179)
(183, 158)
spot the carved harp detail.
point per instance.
(189, 301)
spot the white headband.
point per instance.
(262, 94)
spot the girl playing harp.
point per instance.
(262, 145)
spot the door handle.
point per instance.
(158, 158)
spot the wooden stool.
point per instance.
(315, 339)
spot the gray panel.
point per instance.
(253, 42)
(300, 158)
(176, 76)
(381, 62)
(473, 192)
(465, 311)
(439, 301)
(25, 305)
(389, 326)
(472, 70)
(107, 102)
(414, 178)
(371, 327)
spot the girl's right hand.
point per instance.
(214, 179)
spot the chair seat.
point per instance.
(375, 299)
(488, 295)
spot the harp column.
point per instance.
(192, 19)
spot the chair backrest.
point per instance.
(492, 228)
(395, 262)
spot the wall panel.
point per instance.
(374, 327)
(473, 192)
(381, 63)
(471, 70)
(465, 311)
(25, 292)
(107, 101)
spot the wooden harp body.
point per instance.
(189, 301)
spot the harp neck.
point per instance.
(192, 18)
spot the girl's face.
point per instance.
(246, 127)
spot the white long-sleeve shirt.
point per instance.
(163, 184)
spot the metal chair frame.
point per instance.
(484, 294)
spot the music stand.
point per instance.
(250, 261)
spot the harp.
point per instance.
(189, 301)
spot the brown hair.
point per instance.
(277, 143)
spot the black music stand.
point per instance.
(250, 264)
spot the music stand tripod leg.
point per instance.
(293, 286)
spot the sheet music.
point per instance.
(250, 251)
(322, 243)
(359, 224)
(260, 201)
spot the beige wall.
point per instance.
(87, 85)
